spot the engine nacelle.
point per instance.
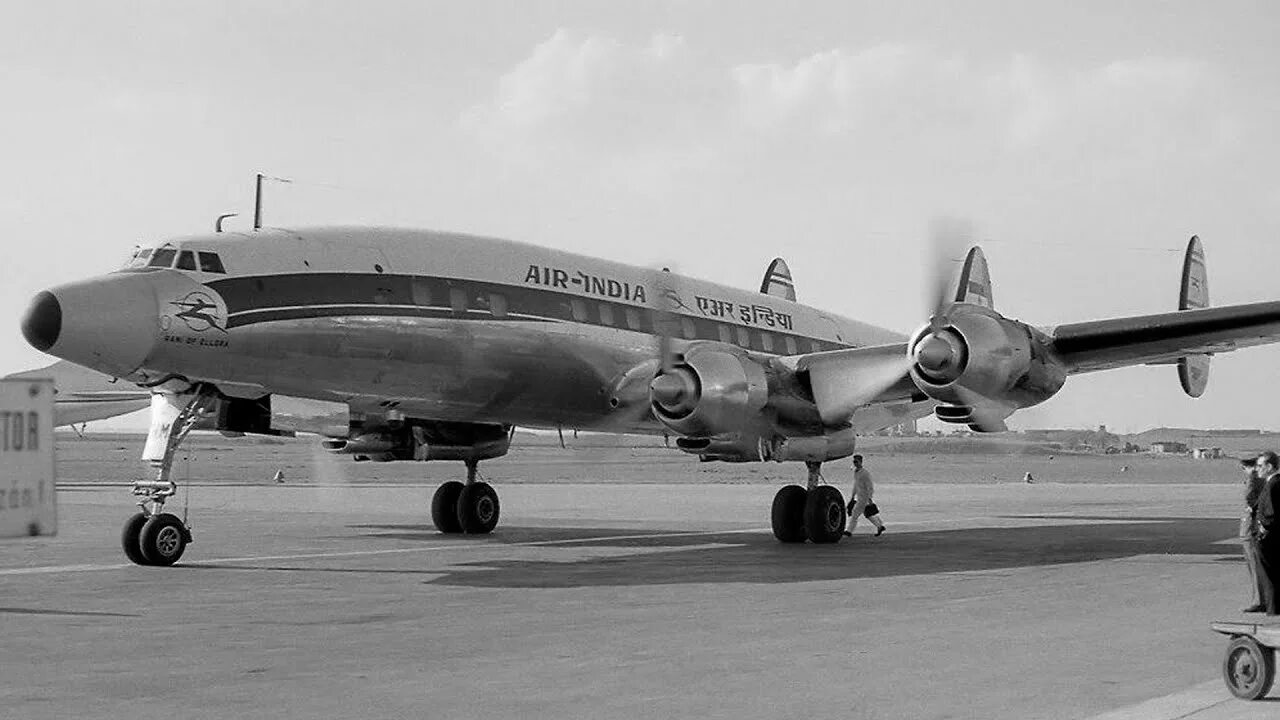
(711, 392)
(980, 357)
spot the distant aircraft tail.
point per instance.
(85, 395)
(777, 280)
(974, 286)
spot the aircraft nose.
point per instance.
(109, 323)
(43, 321)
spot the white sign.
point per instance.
(28, 502)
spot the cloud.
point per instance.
(599, 91)
(659, 107)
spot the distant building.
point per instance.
(1213, 453)
(1168, 447)
(902, 429)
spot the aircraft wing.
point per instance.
(84, 395)
(1163, 337)
(844, 380)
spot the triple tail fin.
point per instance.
(974, 286)
(777, 281)
(1193, 370)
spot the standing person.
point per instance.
(1268, 529)
(1249, 532)
(860, 499)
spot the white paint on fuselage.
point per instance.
(531, 374)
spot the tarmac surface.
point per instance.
(620, 600)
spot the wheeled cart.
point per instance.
(1249, 667)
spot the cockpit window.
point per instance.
(162, 257)
(139, 258)
(186, 260)
(211, 263)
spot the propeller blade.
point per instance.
(663, 314)
(844, 381)
(949, 239)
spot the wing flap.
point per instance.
(1164, 337)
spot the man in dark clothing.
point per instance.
(1269, 531)
(1249, 533)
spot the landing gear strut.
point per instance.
(816, 513)
(152, 536)
(470, 508)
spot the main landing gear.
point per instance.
(816, 513)
(152, 536)
(470, 508)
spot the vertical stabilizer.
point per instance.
(777, 280)
(1193, 370)
(974, 286)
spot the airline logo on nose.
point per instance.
(199, 311)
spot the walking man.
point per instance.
(860, 499)
(1249, 532)
(1268, 528)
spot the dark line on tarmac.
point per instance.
(72, 613)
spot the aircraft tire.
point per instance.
(444, 507)
(130, 538)
(163, 539)
(478, 509)
(1249, 668)
(824, 515)
(788, 514)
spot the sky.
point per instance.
(1085, 141)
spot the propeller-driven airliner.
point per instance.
(409, 345)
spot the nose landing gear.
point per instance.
(152, 536)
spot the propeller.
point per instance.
(949, 239)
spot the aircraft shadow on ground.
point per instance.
(758, 558)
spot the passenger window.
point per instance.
(791, 345)
(606, 314)
(633, 318)
(498, 305)
(421, 290)
(766, 341)
(458, 299)
(579, 309)
(186, 260)
(162, 258)
(744, 339)
(725, 335)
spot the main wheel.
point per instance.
(824, 515)
(130, 538)
(1248, 668)
(478, 509)
(444, 507)
(788, 514)
(163, 538)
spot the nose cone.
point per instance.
(43, 322)
(109, 323)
